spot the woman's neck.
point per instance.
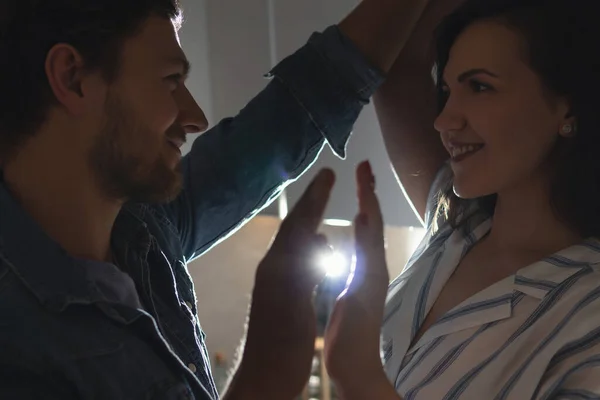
(524, 222)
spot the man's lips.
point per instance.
(176, 142)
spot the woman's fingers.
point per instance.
(358, 313)
(368, 227)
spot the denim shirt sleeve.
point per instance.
(242, 164)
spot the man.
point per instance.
(99, 214)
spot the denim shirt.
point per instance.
(61, 338)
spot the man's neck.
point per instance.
(64, 201)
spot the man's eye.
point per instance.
(174, 79)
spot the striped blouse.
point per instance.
(533, 335)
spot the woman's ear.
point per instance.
(568, 123)
(568, 126)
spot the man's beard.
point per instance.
(121, 168)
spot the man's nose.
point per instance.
(191, 117)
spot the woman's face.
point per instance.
(499, 123)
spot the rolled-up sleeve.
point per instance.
(335, 83)
(242, 164)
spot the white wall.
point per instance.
(195, 42)
(245, 38)
(295, 21)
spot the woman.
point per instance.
(502, 298)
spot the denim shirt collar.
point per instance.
(43, 265)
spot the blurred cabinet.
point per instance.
(319, 385)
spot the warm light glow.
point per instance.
(335, 264)
(282, 203)
(337, 222)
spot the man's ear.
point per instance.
(65, 71)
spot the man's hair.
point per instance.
(30, 28)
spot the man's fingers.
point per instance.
(297, 272)
(291, 257)
(307, 214)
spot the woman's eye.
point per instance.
(479, 87)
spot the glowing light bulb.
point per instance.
(334, 264)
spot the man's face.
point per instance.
(146, 115)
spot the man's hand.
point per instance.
(353, 334)
(281, 330)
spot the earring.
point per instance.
(567, 130)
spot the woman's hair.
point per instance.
(562, 46)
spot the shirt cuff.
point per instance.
(353, 68)
(332, 80)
